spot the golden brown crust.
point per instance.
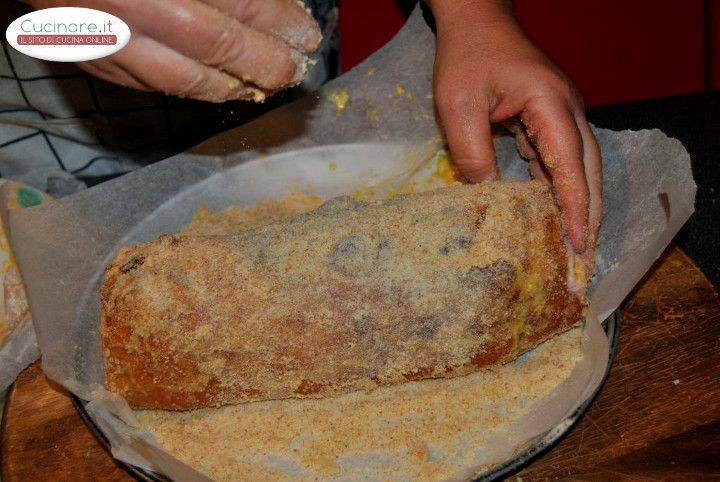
(350, 296)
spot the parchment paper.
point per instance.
(20, 348)
(382, 132)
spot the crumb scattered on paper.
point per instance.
(445, 169)
(432, 173)
(340, 98)
(402, 92)
(238, 218)
(373, 114)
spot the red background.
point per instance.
(615, 51)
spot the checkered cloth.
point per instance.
(62, 129)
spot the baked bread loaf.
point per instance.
(349, 296)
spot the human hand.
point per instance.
(488, 72)
(212, 50)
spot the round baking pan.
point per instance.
(523, 456)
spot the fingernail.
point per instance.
(469, 169)
(313, 37)
(301, 62)
(578, 241)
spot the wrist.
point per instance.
(455, 13)
(478, 26)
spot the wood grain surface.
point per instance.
(656, 418)
(44, 438)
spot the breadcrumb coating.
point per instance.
(351, 296)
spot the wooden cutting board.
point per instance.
(656, 418)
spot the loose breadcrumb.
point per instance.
(426, 430)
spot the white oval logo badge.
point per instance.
(68, 34)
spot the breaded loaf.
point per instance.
(349, 296)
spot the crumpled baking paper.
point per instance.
(19, 347)
(19, 350)
(375, 123)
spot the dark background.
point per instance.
(614, 50)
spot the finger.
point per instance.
(160, 68)
(552, 129)
(108, 70)
(527, 150)
(522, 141)
(210, 37)
(592, 160)
(538, 171)
(283, 18)
(468, 133)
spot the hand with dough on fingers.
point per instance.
(488, 72)
(213, 50)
